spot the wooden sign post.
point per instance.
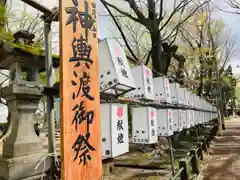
(80, 102)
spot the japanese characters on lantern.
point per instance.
(180, 120)
(120, 129)
(182, 96)
(176, 120)
(174, 92)
(165, 122)
(144, 83)
(144, 125)
(162, 90)
(185, 119)
(114, 126)
(114, 71)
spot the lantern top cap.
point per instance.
(24, 34)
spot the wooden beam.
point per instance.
(38, 6)
(51, 15)
(79, 91)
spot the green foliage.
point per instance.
(4, 35)
(21, 22)
(24, 76)
(237, 91)
(3, 17)
(43, 78)
(24, 22)
(207, 45)
(36, 50)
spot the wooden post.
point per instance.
(171, 155)
(185, 173)
(79, 92)
(200, 151)
(206, 146)
(194, 161)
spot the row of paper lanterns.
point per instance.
(117, 78)
(148, 124)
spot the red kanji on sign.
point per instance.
(152, 114)
(147, 73)
(118, 52)
(120, 112)
(166, 82)
(169, 114)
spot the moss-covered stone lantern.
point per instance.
(23, 149)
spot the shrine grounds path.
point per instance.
(223, 163)
(224, 160)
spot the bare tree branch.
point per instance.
(160, 59)
(121, 12)
(140, 15)
(181, 5)
(120, 30)
(161, 12)
(148, 58)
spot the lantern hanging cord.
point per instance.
(44, 163)
(54, 15)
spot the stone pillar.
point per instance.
(22, 150)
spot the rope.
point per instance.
(190, 159)
(44, 163)
(177, 174)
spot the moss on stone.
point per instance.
(35, 50)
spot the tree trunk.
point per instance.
(179, 72)
(158, 60)
(200, 89)
(234, 103)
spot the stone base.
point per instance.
(38, 177)
(23, 167)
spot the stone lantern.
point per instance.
(22, 150)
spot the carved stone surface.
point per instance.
(22, 150)
(23, 167)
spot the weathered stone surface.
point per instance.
(24, 92)
(22, 139)
(22, 150)
(22, 167)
